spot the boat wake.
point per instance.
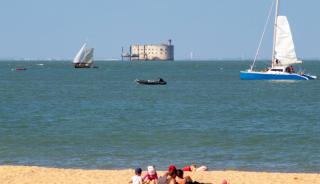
(284, 81)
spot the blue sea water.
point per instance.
(57, 116)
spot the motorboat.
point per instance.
(20, 69)
(159, 81)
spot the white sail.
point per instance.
(80, 55)
(284, 46)
(88, 56)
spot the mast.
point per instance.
(262, 36)
(275, 33)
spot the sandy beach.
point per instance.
(41, 175)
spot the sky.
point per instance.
(210, 29)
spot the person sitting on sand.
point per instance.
(193, 168)
(151, 176)
(137, 179)
(183, 180)
(169, 177)
(172, 173)
(202, 168)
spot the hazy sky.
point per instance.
(208, 28)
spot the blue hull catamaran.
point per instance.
(283, 56)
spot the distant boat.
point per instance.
(283, 57)
(20, 69)
(84, 57)
(159, 81)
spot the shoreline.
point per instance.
(35, 174)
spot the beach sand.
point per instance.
(42, 175)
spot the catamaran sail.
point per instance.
(84, 57)
(284, 47)
(88, 56)
(80, 54)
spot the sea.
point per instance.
(54, 115)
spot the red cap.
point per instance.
(172, 168)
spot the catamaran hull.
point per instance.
(246, 75)
(150, 82)
(81, 65)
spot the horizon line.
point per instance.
(115, 59)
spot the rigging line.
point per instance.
(263, 33)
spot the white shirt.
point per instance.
(136, 179)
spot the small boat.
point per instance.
(283, 56)
(159, 81)
(84, 57)
(21, 69)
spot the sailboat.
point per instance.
(84, 57)
(283, 56)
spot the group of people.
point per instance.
(290, 69)
(172, 176)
